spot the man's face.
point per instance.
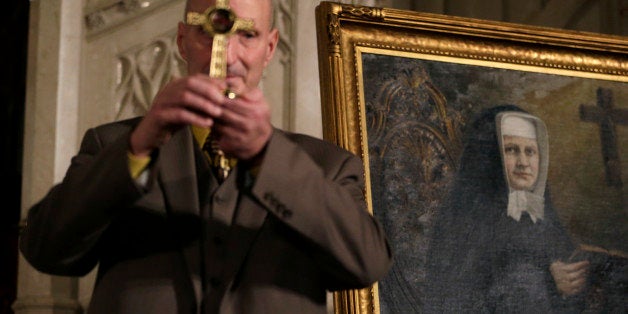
(248, 52)
(521, 157)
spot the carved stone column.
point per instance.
(49, 136)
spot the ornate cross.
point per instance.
(607, 117)
(220, 22)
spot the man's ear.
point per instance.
(181, 33)
(273, 39)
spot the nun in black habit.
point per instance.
(497, 245)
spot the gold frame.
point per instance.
(346, 31)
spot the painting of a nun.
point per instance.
(497, 245)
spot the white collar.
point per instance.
(523, 201)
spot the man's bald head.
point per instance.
(196, 5)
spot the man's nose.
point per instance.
(232, 49)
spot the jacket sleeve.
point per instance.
(317, 189)
(63, 228)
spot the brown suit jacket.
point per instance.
(184, 244)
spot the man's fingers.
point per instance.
(212, 89)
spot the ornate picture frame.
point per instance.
(398, 88)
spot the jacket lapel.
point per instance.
(177, 174)
(179, 184)
(247, 223)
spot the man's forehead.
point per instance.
(242, 5)
(248, 9)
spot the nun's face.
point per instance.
(521, 157)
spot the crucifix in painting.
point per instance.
(607, 117)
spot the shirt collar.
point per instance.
(200, 134)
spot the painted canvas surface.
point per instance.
(416, 112)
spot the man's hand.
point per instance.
(243, 129)
(570, 278)
(242, 125)
(193, 100)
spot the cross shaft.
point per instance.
(220, 22)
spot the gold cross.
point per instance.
(220, 22)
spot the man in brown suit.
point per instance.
(140, 200)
